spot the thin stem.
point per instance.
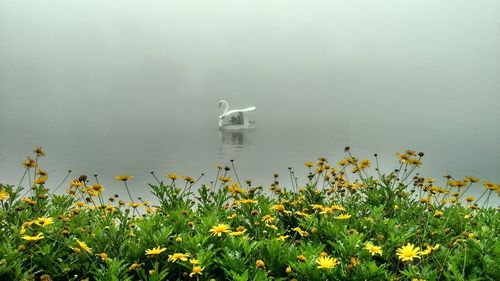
(129, 196)
(291, 177)
(236, 174)
(465, 259)
(22, 178)
(487, 199)
(477, 200)
(65, 178)
(377, 165)
(153, 174)
(217, 177)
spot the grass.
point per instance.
(349, 222)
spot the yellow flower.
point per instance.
(237, 233)
(272, 226)
(23, 229)
(268, 219)
(123, 178)
(39, 236)
(301, 214)
(30, 163)
(41, 172)
(225, 179)
(135, 205)
(103, 256)
(342, 162)
(317, 207)
(471, 179)
(282, 237)
(438, 214)
(41, 180)
(97, 188)
(194, 261)
(235, 189)
(302, 233)
(408, 252)
(4, 195)
(363, 164)
(309, 164)
(39, 151)
(260, 264)
(44, 221)
(233, 216)
(84, 246)
(490, 185)
(327, 262)
(415, 161)
(354, 261)
(337, 207)
(178, 256)
(76, 183)
(172, 176)
(301, 258)
(470, 198)
(373, 249)
(456, 183)
(155, 251)
(196, 271)
(278, 207)
(219, 229)
(134, 266)
(343, 216)
(429, 249)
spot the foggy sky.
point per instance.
(416, 73)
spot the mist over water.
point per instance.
(127, 87)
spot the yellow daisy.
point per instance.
(84, 246)
(155, 251)
(326, 262)
(260, 264)
(172, 176)
(39, 236)
(374, 250)
(103, 256)
(123, 178)
(219, 229)
(408, 252)
(178, 256)
(196, 271)
(4, 195)
(44, 221)
(343, 216)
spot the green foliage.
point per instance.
(275, 235)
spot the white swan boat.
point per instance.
(235, 119)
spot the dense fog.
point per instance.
(113, 87)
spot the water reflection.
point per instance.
(233, 141)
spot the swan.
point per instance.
(238, 117)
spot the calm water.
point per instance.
(189, 143)
(131, 88)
